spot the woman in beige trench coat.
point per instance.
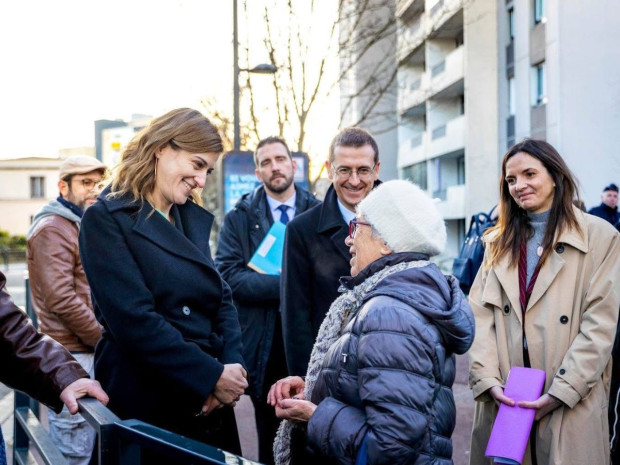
(573, 260)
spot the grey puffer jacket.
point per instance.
(389, 376)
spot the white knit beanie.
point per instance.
(405, 217)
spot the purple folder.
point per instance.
(512, 426)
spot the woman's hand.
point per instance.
(231, 385)
(295, 409)
(497, 392)
(543, 405)
(286, 388)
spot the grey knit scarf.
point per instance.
(344, 308)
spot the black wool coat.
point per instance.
(168, 317)
(256, 296)
(315, 257)
(611, 215)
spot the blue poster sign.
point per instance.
(239, 177)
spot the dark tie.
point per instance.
(283, 217)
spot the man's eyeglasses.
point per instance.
(87, 183)
(353, 224)
(344, 172)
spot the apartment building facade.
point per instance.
(559, 80)
(476, 76)
(431, 55)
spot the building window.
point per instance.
(440, 191)
(539, 84)
(539, 11)
(512, 98)
(511, 23)
(460, 170)
(37, 187)
(510, 131)
(416, 174)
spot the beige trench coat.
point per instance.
(570, 326)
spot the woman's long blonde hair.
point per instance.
(183, 128)
(513, 227)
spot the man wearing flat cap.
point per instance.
(60, 292)
(608, 209)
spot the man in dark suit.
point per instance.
(608, 209)
(315, 255)
(256, 295)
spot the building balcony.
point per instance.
(442, 12)
(413, 93)
(452, 204)
(413, 150)
(447, 138)
(409, 8)
(411, 36)
(446, 76)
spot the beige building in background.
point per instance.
(26, 184)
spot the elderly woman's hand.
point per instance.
(286, 388)
(295, 409)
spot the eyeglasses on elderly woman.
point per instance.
(353, 224)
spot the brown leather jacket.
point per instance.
(60, 291)
(30, 361)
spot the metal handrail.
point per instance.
(27, 431)
(121, 442)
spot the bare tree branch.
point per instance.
(302, 55)
(281, 113)
(248, 83)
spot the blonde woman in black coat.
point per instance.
(170, 353)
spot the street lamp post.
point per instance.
(264, 68)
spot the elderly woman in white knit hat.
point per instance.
(379, 384)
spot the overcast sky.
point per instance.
(67, 63)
